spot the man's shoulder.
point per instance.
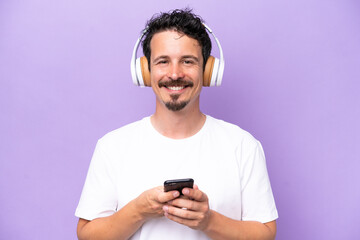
(126, 132)
(232, 131)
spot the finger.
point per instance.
(197, 223)
(187, 222)
(186, 203)
(164, 197)
(179, 212)
(195, 194)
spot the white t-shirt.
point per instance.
(226, 162)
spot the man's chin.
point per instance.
(176, 106)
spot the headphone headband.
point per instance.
(215, 74)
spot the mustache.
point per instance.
(175, 83)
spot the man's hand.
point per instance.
(128, 219)
(192, 210)
(150, 203)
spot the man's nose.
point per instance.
(176, 71)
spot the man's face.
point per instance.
(176, 69)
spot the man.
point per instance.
(232, 198)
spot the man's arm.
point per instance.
(196, 214)
(120, 225)
(221, 227)
(124, 223)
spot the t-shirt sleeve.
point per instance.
(98, 198)
(257, 198)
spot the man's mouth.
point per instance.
(176, 85)
(175, 88)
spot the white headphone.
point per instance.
(213, 73)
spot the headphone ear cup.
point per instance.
(208, 71)
(215, 74)
(145, 71)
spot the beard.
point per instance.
(174, 104)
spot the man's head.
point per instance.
(182, 21)
(176, 46)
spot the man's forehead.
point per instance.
(173, 34)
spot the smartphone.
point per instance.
(178, 184)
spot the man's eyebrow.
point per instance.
(183, 57)
(160, 57)
(191, 56)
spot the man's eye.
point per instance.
(162, 62)
(188, 62)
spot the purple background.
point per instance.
(291, 79)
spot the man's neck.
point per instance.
(178, 124)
